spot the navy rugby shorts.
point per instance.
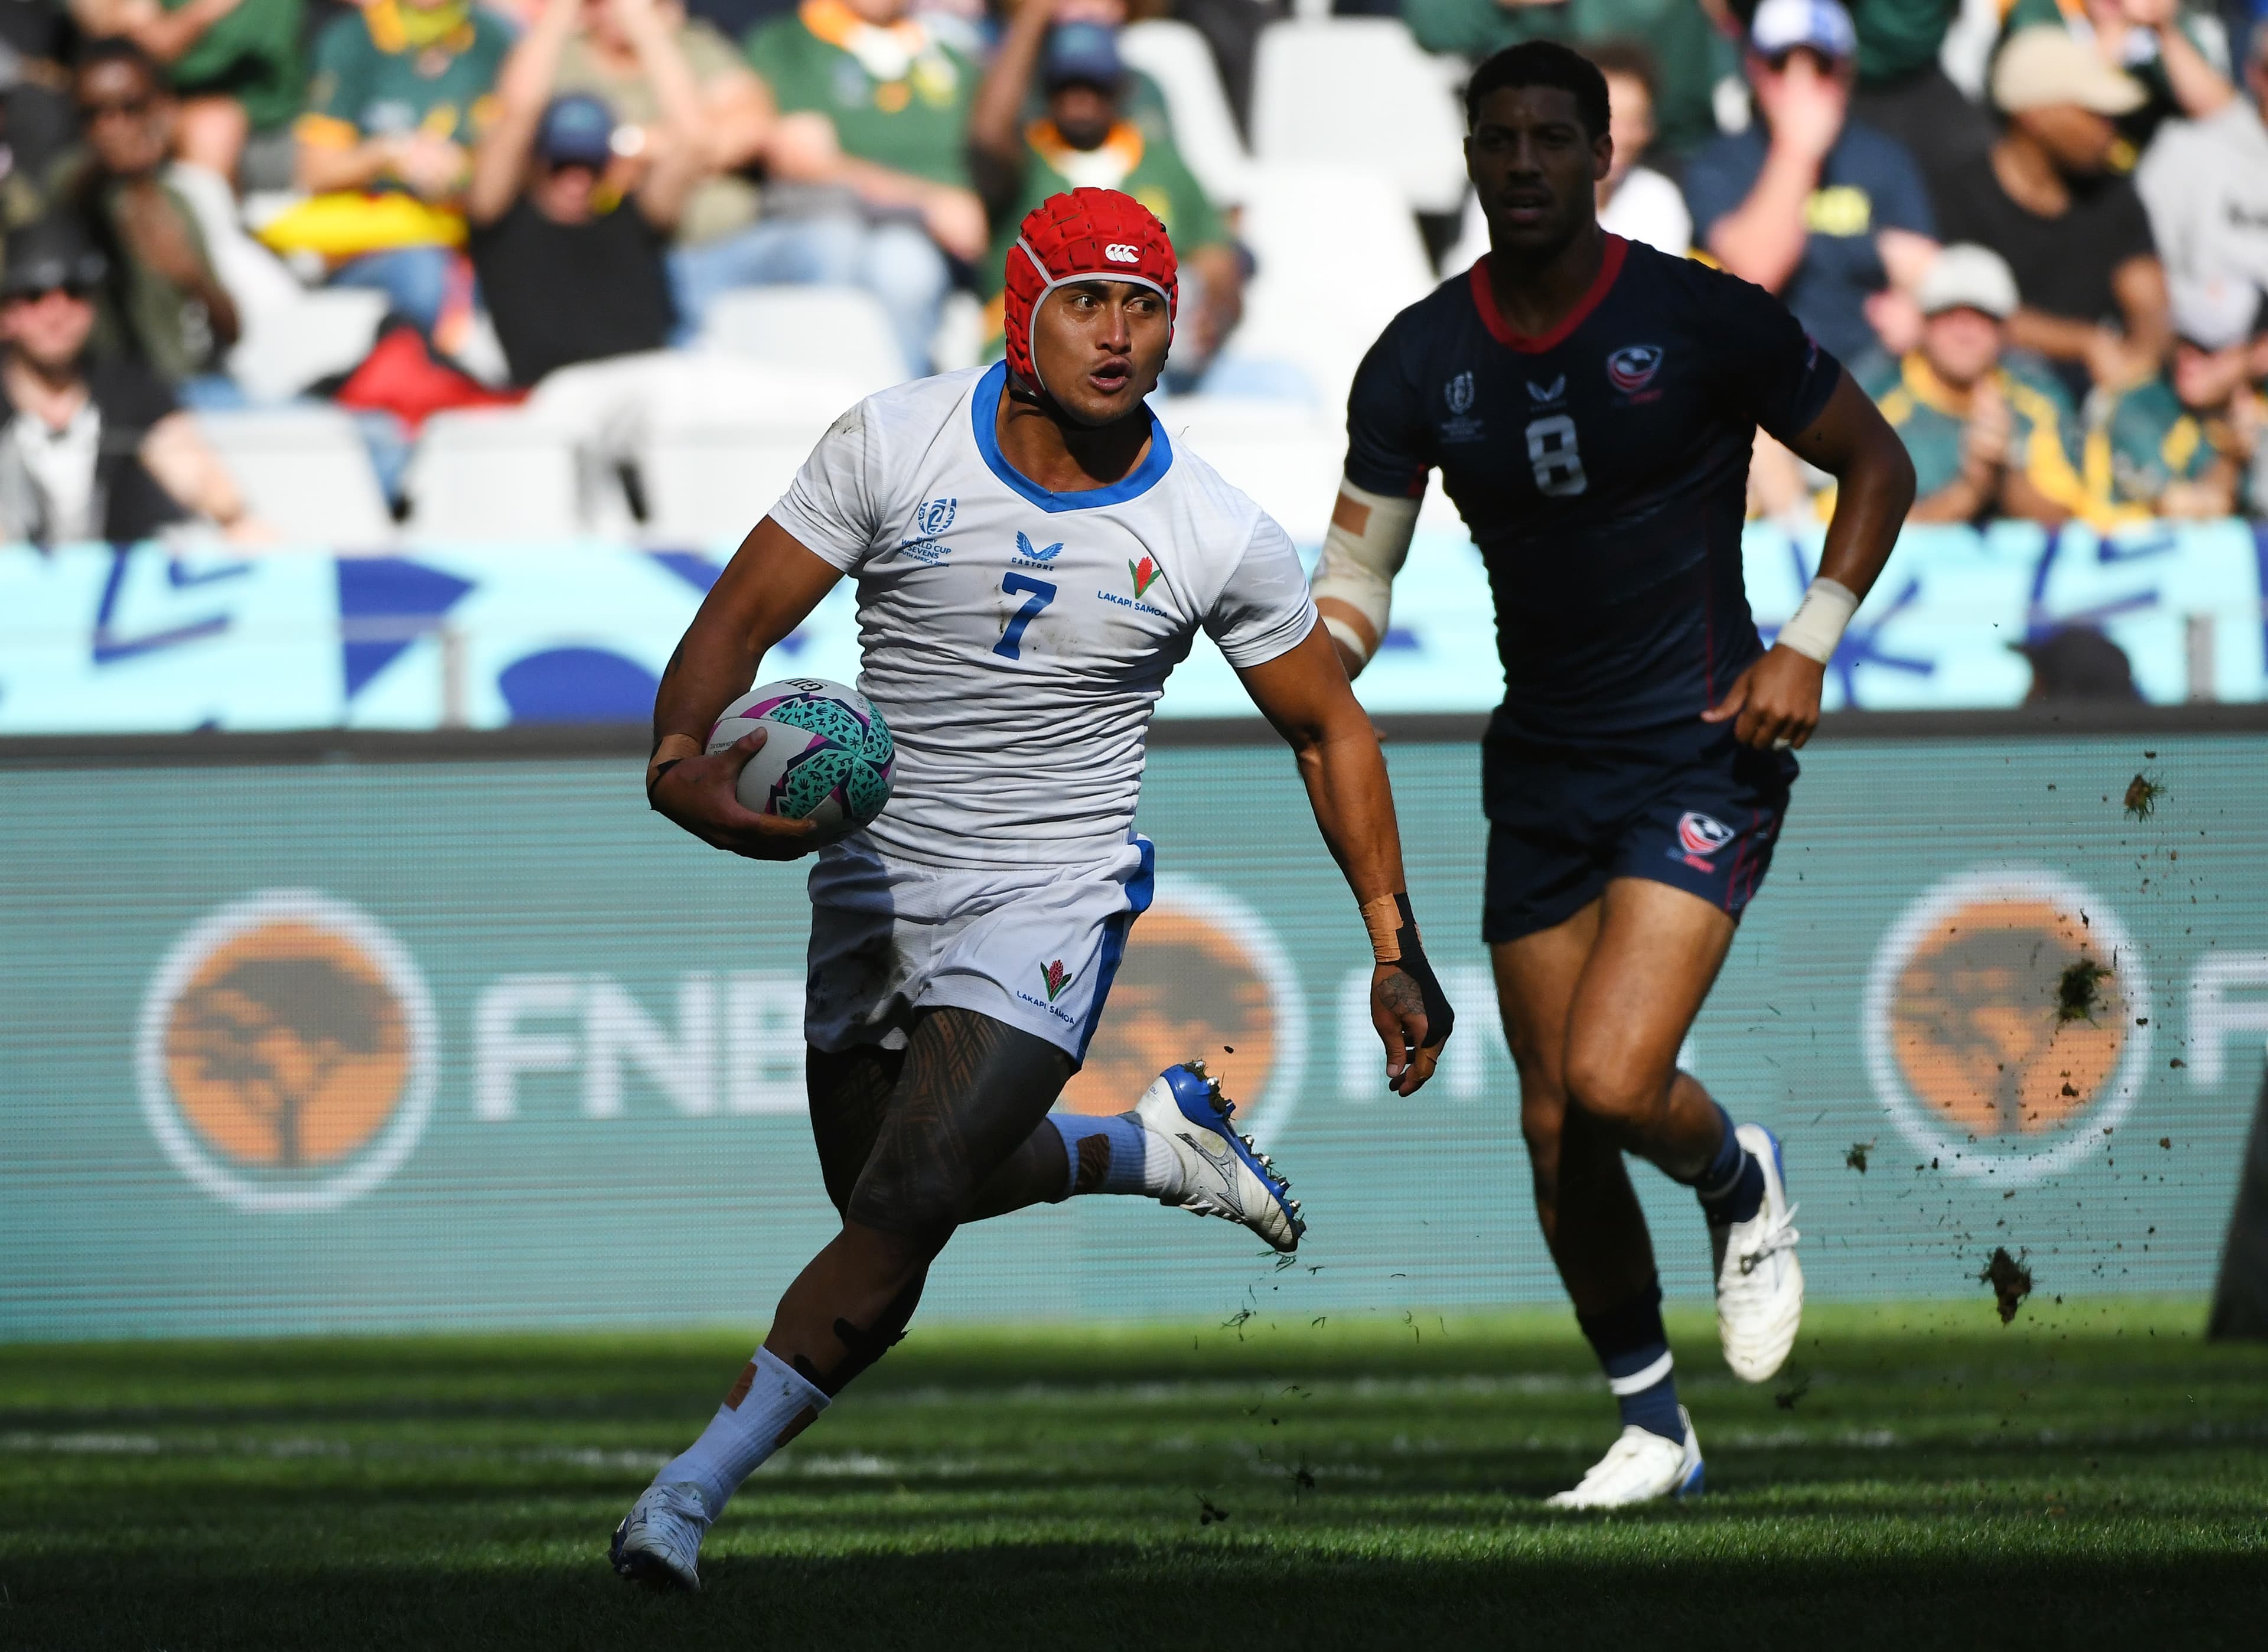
(1700, 815)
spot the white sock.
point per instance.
(1161, 1166)
(766, 1409)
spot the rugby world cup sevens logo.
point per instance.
(1146, 574)
(2007, 1023)
(286, 1053)
(1203, 975)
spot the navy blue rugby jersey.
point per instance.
(1602, 469)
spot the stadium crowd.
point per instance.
(2054, 288)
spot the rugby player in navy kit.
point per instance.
(1591, 404)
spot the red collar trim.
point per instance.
(1484, 301)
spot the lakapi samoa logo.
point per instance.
(2007, 1023)
(286, 1053)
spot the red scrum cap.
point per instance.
(1077, 237)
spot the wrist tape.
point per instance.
(1394, 942)
(1820, 619)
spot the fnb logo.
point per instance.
(1120, 252)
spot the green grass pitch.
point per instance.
(2093, 1475)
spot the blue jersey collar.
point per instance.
(984, 409)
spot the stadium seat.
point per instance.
(305, 471)
(1357, 92)
(1338, 256)
(1177, 56)
(493, 475)
(709, 485)
(1286, 456)
(841, 331)
(288, 346)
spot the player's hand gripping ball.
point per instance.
(825, 758)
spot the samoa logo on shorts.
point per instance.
(1632, 367)
(1203, 976)
(1702, 835)
(2006, 1023)
(1459, 394)
(287, 1052)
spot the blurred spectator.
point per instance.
(2093, 292)
(1232, 30)
(571, 268)
(735, 20)
(1829, 215)
(2077, 662)
(235, 64)
(400, 90)
(875, 106)
(163, 302)
(1084, 139)
(1903, 92)
(2183, 446)
(2157, 42)
(91, 450)
(715, 247)
(37, 43)
(2205, 184)
(1635, 202)
(1693, 54)
(1989, 433)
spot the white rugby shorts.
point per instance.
(1034, 948)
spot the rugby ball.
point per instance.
(825, 757)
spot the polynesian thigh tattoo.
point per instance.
(971, 1092)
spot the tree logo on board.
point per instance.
(286, 1053)
(1203, 976)
(2007, 1023)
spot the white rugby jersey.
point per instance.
(1016, 640)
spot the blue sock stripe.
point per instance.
(1124, 1135)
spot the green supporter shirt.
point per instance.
(1920, 408)
(916, 122)
(1690, 56)
(1896, 37)
(2148, 441)
(251, 55)
(368, 83)
(1158, 178)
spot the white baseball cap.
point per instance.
(1967, 277)
(1781, 25)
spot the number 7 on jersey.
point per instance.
(1037, 594)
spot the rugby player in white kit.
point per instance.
(1032, 555)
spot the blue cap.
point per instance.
(577, 130)
(1781, 26)
(1085, 54)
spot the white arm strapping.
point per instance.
(1820, 619)
(1359, 569)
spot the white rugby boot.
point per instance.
(1222, 1174)
(659, 1542)
(1638, 1468)
(1759, 1282)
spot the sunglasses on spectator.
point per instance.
(79, 289)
